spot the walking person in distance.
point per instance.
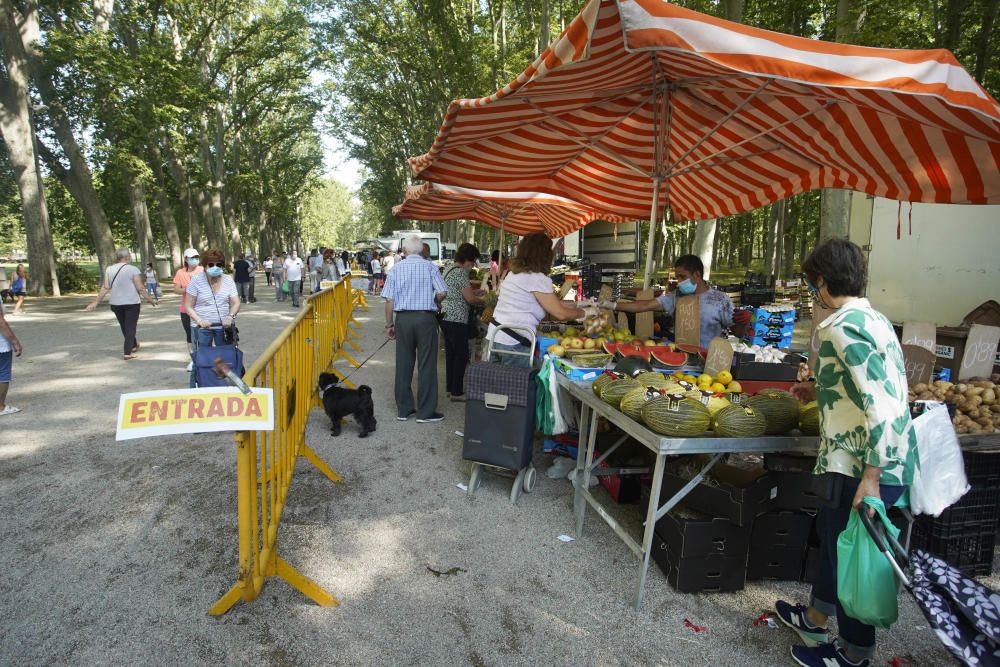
(192, 265)
(293, 274)
(124, 282)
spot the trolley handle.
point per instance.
(530, 354)
(885, 542)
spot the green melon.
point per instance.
(613, 392)
(809, 419)
(652, 379)
(737, 421)
(633, 401)
(603, 379)
(780, 410)
(676, 416)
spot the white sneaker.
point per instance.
(190, 366)
(9, 410)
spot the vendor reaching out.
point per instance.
(716, 308)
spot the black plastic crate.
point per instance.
(979, 507)
(982, 469)
(712, 574)
(795, 492)
(971, 552)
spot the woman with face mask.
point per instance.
(716, 308)
(192, 266)
(212, 302)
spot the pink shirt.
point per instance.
(183, 278)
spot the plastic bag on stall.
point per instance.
(939, 479)
(543, 399)
(866, 582)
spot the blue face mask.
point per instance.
(686, 287)
(193, 261)
(813, 290)
(214, 271)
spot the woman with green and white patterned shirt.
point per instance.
(867, 443)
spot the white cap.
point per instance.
(190, 252)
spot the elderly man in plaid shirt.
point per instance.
(413, 293)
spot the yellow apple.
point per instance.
(557, 350)
(576, 343)
(589, 344)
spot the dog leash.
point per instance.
(361, 365)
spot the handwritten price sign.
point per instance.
(980, 352)
(687, 320)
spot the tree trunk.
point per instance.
(543, 33)
(954, 11)
(103, 10)
(165, 210)
(732, 10)
(19, 136)
(704, 243)
(78, 179)
(140, 216)
(983, 39)
(196, 236)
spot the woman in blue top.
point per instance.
(716, 309)
(19, 288)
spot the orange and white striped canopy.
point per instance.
(519, 213)
(638, 93)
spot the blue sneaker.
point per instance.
(794, 616)
(827, 655)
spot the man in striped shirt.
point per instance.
(413, 293)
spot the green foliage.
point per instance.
(75, 279)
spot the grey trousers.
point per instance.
(416, 344)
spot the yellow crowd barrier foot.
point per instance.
(226, 602)
(350, 341)
(304, 584)
(320, 464)
(343, 355)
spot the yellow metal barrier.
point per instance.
(265, 460)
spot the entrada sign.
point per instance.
(151, 413)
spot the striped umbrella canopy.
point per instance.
(518, 213)
(641, 106)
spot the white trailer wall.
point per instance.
(947, 266)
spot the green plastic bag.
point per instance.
(284, 286)
(866, 582)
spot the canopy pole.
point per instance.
(653, 220)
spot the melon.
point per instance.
(737, 421)
(633, 401)
(603, 379)
(780, 410)
(613, 392)
(711, 400)
(652, 379)
(667, 357)
(676, 416)
(591, 360)
(809, 419)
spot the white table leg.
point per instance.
(647, 536)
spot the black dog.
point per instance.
(340, 402)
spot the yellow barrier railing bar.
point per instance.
(265, 460)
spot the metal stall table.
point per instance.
(593, 407)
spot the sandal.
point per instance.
(9, 410)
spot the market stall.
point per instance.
(661, 447)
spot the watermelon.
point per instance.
(669, 358)
(632, 366)
(691, 349)
(676, 416)
(613, 392)
(633, 401)
(809, 419)
(628, 350)
(737, 421)
(611, 348)
(780, 410)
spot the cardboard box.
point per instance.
(778, 544)
(767, 318)
(795, 492)
(720, 574)
(701, 538)
(740, 495)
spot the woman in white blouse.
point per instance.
(212, 302)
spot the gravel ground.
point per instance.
(115, 551)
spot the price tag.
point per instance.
(980, 352)
(720, 356)
(644, 321)
(919, 364)
(687, 320)
(921, 334)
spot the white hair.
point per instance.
(413, 245)
(122, 253)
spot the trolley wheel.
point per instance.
(515, 490)
(474, 479)
(530, 477)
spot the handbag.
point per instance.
(284, 286)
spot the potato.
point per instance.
(922, 387)
(975, 391)
(989, 396)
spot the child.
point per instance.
(152, 284)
